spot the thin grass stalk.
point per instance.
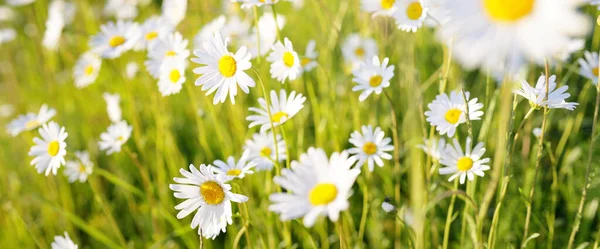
(449, 217)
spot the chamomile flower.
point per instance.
(30, 120)
(316, 185)
(589, 66)
(437, 14)
(166, 48)
(309, 60)
(232, 169)
(86, 69)
(63, 242)
(410, 14)
(49, 151)
(258, 3)
(537, 96)
(116, 136)
(263, 151)
(283, 108)
(464, 165)
(80, 169)
(372, 77)
(370, 146)
(433, 147)
(174, 11)
(357, 49)
(222, 71)
(268, 34)
(172, 77)
(446, 113)
(206, 192)
(285, 63)
(112, 106)
(151, 30)
(115, 39)
(6, 110)
(60, 13)
(379, 7)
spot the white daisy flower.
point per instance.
(63, 242)
(112, 106)
(121, 9)
(208, 30)
(131, 69)
(589, 66)
(262, 150)
(165, 48)
(152, 29)
(19, 2)
(174, 11)
(437, 14)
(207, 192)
(233, 170)
(7, 35)
(30, 121)
(410, 15)
(285, 63)
(49, 151)
(464, 164)
(433, 147)
(357, 49)
(370, 146)
(379, 7)
(309, 60)
(315, 185)
(282, 108)
(372, 77)
(116, 135)
(6, 14)
(537, 96)
(115, 39)
(268, 34)
(60, 13)
(446, 113)
(222, 71)
(80, 169)
(172, 77)
(86, 69)
(251, 3)
(504, 36)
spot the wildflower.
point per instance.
(263, 151)
(357, 49)
(86, 69)
(172, 77)
(283, 108)
(63, 242)
(174, 11)
(464, 164)
(309, 60)
(433, 147)
(116, 135)
(447, 113)
(152, 30)
(379, 7)
(172, 46)
(410, 15)
(30, 120)
(285, 63)
(115, 39)
(232, 170)
(372, 77)
(589, 66)
(112, 106)
(537, 96)
(49, 151)
(80, 169)
(370, 146)
(60, 13)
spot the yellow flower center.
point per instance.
(595, 71)
(227, 66)
(120, 138)
(387, 4)
(276, 118)
(234, 172)
(174, 76)
(414, 10)
(508, 10)
(360, 52)
(170, 53)
(53, 148)
(151, 35)
(212, 192)
(305, 61)
(32, 124)
(82, 168)
(322, 194)
(288, 59)
(464, 163)
(375, 81)
(116, 41)
(89, 70)
(265, 152)
(453, 115)
(370, 148)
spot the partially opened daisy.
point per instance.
(232, 169)
(30, 120)
(285, 63)
(152, 29)
(370, 146)
(49, 151)
(309, 60)
(86, 69)
(63, 242)
(410, 15)
(316, 185)
(589, 66)
(372, 77)
(80, 169)
(222, 71)
(537, 96)
(169, 47)
(446, 113)
(357, 49)
(464, 165)
(112, 106)
(116, 135)
(283, 108)
(263, 151)
(433, 147)
(379, 7)
(172, 77)
(209, 195)
(115, 39)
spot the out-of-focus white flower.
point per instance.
(19, 2)
(174, 10)
(30, 120)
(537, 132)
(49, 150)
(7, 34)
(589, 65)
(115, 39)
(6, 110)
(131, 69)
(116, 136)
(357, 49)
(61, 242)
(80, 169)
(268, 34)
(86, 69)
(112, 106)
(6, 14)
(123, 9)
(152, 30)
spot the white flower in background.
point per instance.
(433, 147)
(537, 132)
(268, 34)
(222, 71)
(285, 63)
(6, 110)
(115, 39)
(112, 106)
(309, 60)
(379, 7)
(232, 27)
(166, 48)
(257, 3)
(316, 186)
(124, 9)
(49, 151)
(370, 146)
(152, 30)
(387, 205)
(86, 69)
(357, 49)
(131, 69)
(172, 77)
(116, 135)
(537, 96)
(174, 11)
(575, 45)
(206, 192)
(60, 13)
(7, 35)
(372, 77)
(282, 109)
(595, 3)
(503, 36)
(80, 169)
(464, 165)
(208, 30)
(63, 242)
(30, 120)
(589, 66)
(232, 169)
(263, 151)
(446, 113)
(410, 15)
(19, 2)
(6, 14)
(437, 14)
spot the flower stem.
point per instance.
(449, 218)
(264, 91)
(276, 23)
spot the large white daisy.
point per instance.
(86, 69)
(285, 63)
(410, 14)
(263, 151)
(537, 96)
(357, 49)
(446, 113)
(172, 77)
(370, 146)
(49, 151)
(372, 77)
(30, 121)
(115, 39)
(465, 164)
(232, 169)
(116, 135)
(282, 109)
